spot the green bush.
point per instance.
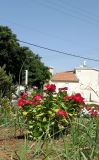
(49, 113)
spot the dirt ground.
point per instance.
(14, 145)
(11, 143)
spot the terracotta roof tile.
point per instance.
(69, 76)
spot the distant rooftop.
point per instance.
(84, 66)
(68, 76)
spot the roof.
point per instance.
(68, 76)
(85, 67)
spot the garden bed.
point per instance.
(59, 127)
(11, 143)
(80, 142)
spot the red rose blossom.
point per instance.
(78, 98)
(68, 97)
(24, 95)
(35, 103)
(38, 97)
(27, 102)
(61, 112)
(63, 89)
(94, 112)
(50, 87)
(20, 102)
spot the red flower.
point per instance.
(27, 102)
(20, 102)
(63, 89)
(88, 108)
(68, 97)
(38, 97)
(35, 103)
(61, 112)
(50, 87)
(78, 98)
(24, 95)
(94, 112)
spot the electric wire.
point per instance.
(83, 11)
(55, 4)
(57, 51)
(68, 11)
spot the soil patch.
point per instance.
(12, 143)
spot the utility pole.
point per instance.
(26, 77)
(26, 73)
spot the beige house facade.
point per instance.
(83, 79)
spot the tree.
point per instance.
(5, 83)
(8, 51)
(38, 73)
(12, 55)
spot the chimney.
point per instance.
(51, 70)
(84, 63)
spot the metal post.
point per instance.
(21, 71)
(26, 82)
(26, 77)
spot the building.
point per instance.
(83, 79)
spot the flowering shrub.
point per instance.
(92, 111)
(50, 112)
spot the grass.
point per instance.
(81, 142)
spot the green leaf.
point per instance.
(44, 119)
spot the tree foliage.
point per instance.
(5, 83)
(18, 58)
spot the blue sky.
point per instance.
(71, 26)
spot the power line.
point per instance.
(79, 10)
(71, 12)
(57, 51)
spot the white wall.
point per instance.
(72, 86)
(88, 84)
(88, 77)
